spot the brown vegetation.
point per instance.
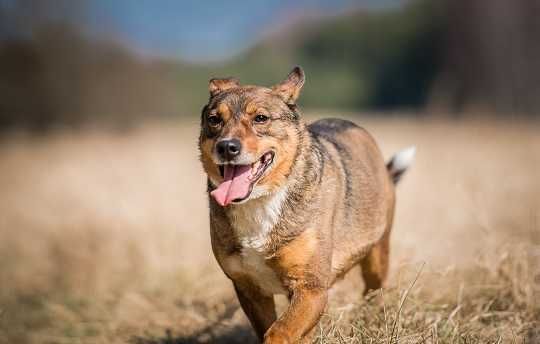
(104, 239)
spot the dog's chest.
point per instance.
(252, 223)
(252, 264)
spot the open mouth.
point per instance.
(239, 180)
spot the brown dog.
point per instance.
(293, 207)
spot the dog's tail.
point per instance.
(400, 163)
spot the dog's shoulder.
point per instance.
(344, 135)
(330, 127)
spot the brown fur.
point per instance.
(336, 211)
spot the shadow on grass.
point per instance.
(234, 335)
(214, 332)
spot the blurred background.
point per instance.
(67, 63)
(103, 215)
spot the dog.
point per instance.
(293, 206)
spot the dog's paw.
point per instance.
(276, 336)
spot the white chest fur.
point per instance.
(252, 264)
(252, 222)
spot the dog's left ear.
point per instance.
(289, 89)
(218, 85)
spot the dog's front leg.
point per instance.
(295, 324)
(259, 308)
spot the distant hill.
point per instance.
(361, 60)
(458, 56)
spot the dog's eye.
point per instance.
(261, 118)
(214, 120)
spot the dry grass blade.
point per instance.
(400, 308)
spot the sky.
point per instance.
(193, 30)
(206, 30)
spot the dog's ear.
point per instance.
(218, 85)
(289, 89)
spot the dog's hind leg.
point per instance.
(375, 264)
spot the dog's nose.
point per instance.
(229, 149)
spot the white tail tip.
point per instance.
(400, 162)
(404, 158)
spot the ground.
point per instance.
(104, 239)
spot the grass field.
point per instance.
(104, 239)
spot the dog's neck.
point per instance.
(253, 221)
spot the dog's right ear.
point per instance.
(218, 85)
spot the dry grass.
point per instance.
(104, 239)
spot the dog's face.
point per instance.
(249, 137)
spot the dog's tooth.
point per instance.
(254, 168)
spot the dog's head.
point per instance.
(249, 137)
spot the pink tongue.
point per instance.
(235, 185)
